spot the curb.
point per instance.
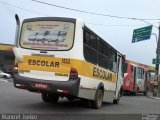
(156, 98)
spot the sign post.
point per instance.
(141, 34)
(144, 34)
(156, 87)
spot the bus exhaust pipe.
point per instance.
(17, 53)
(17, 19)
(17, 29)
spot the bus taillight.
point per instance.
(73, 74)
(16, 68)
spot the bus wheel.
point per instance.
(52, 98)
(97, 103)
(116, 101)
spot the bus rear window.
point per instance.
(47, 35)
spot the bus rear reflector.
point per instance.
(21, 85)
(73, 74)
(63, 91)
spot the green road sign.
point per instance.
(156, 61)
(142, 34)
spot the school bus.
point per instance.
(80, 64)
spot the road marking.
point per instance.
(5, 81)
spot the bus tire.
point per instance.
(97, 103)
(116, 101)
(45, 97)
(52, 98)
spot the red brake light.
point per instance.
(22, 85)
(73, 74)
(65, 91)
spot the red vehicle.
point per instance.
(135, 78)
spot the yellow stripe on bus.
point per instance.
(63, 65)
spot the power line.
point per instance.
(94, 13)
(148, 23)
(116, 25)
(48, 15)
(23, 8)
(88, 23)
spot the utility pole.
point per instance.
(155, 92)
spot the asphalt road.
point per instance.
(13, 100)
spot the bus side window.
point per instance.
(86, 38)
(143, 74)
(132, 71)
(90, 47)
(107, 57)
(93, 42)
(102, 58)
(131, 68)
(123, 67)
(135, 73)
(90, 40)
(113, 59)
(140, 73)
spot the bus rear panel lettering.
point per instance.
(43, 63)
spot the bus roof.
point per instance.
(149, 68)
(65, 19)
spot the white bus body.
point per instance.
(69, 67)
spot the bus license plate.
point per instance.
(41, 85)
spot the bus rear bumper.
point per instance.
(70, 87)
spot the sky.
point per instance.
(116, 31)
